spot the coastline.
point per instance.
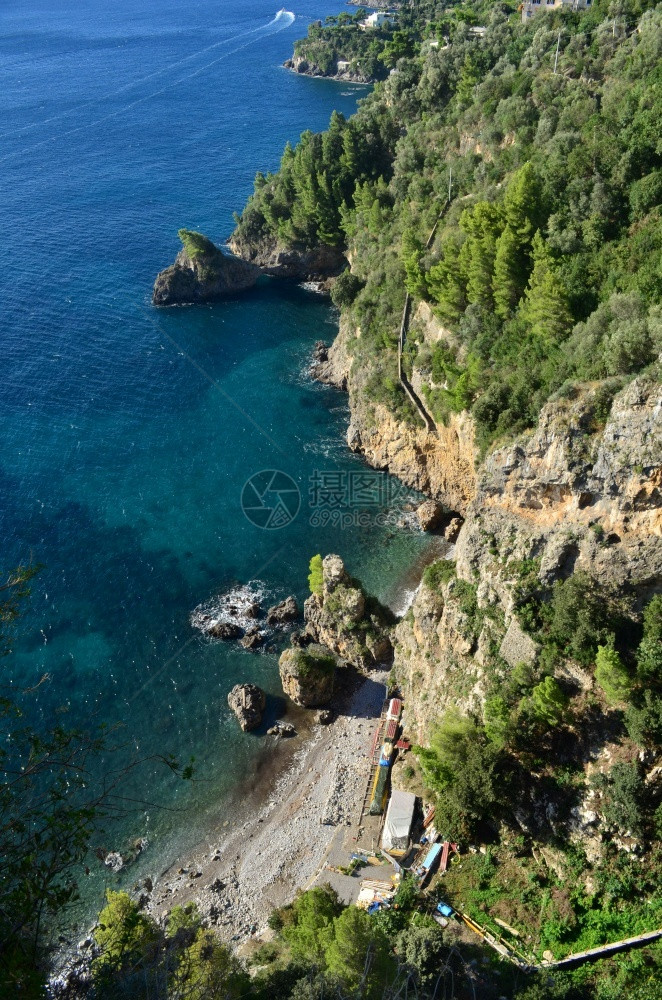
(295, 816)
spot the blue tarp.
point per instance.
(445, 909)
(432, 856)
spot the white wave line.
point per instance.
(136, 83)
(147, 97)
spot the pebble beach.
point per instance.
(282, 836)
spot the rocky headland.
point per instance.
(343, 73)
(292, 262)
(202, 273)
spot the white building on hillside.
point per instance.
(532, 7)
(380, 19)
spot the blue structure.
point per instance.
(431, 858)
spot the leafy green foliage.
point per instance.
(316, 575)
(459, 767)
(624, 794)
(136, 958)
(355, 937)
(438, 573)
(196, 245)
(546, 703)
(310, 928)
(546, 267)
(649, 654)
(612, 675)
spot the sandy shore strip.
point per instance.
(273, 848)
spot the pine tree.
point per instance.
(545, 304)
(612, 675)
(482, 225)
(328, 219)
(445, 283)
(521, 203)
(411, 255)
(508, 279)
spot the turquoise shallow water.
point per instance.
(126, 434)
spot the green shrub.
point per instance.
(624, 789)
(612, 675)
(316, 575)
(547, 702)
(195, 244)
(438, 573)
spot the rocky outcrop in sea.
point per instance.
(203, 275)
(308, 675)
(248, 702)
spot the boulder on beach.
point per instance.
(307, 675)
(286, 611)
(247, 701)
(282, 729)
(430, 515)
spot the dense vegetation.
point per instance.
(529, 747)
(341, 38)
(545, 268)
(323, 948)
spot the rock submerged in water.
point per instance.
(202, 273)
(286, 611)
(224, 630)
(247, 701)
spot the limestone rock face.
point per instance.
(286, 611)
(297, 263)
(341, 619)
(206, 277)
(247, 701)
(299, 64)
(440, 465)
(452, 529)
(430, 514)
(332, 365)
(538, 498)
(307, 675)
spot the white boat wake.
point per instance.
(283, 19)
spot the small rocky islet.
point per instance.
(202, 272)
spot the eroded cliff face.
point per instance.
(571, 495)
(294, 263)
(440, 464)
(303, 66)
(207, 277)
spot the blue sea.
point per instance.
(128, 433)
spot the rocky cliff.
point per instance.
(354, 627)
(351, 74)
(202, 273)
(296, 263)
(573, 495)
(440, 464)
